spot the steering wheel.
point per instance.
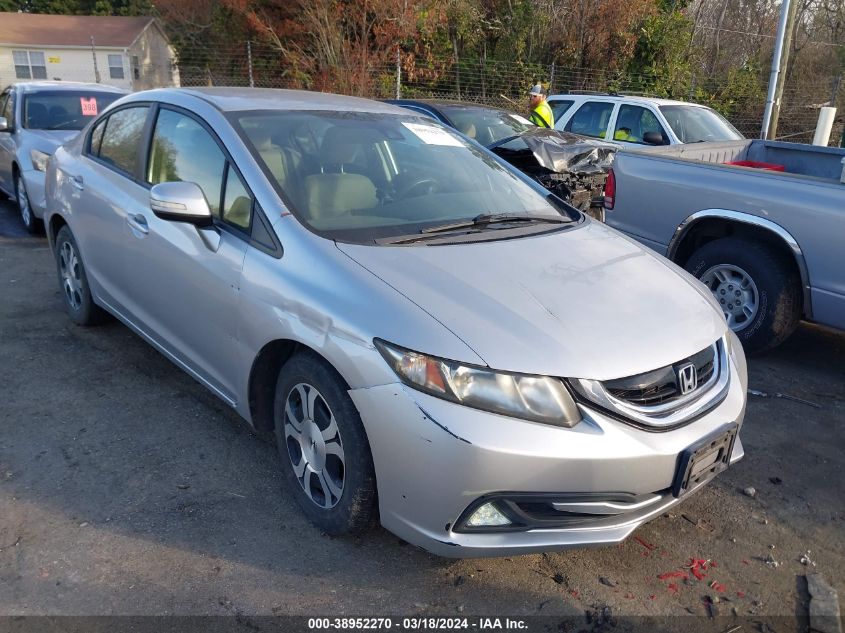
(420, 187)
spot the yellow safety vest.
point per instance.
(542, 115)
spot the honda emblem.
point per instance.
(687, 378)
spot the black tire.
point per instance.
(32, 224)
(354, 509)
(778, 287)
(76, 293)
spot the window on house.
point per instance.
(29, 65)
(136, 67)
(116, 66)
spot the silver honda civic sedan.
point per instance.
(437, 343)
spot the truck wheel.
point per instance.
(323, 446)
(757, 289)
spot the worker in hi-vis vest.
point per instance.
(541, 113)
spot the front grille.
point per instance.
(660, 386)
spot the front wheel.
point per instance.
(32, 224)
(323, 446)
(756, 287)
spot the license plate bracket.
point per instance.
(704, 460)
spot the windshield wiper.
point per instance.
(478, 223)
(486, 219)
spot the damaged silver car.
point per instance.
(438, 342)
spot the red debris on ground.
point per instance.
(717, 586)
(713, 563)
(745, 562)
(740, 594)
(645, 554)
(645, 544)
(673, 574)
(697, 566)
(574, 593)
(673, 588)
(652, 597)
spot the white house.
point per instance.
(128, 52)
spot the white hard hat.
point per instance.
(537, 90)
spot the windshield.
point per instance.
(693, 124)
(486, 125)
(64, 109)
(361, 177)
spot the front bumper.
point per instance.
(34, 182)
(434, 459)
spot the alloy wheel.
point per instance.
(314, 445)
(23, 203)
(70, 269)
(736, 293)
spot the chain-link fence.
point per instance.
(741, 97)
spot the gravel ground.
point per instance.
(126, 488)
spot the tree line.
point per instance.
(716, 51)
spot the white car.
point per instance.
(637, 121)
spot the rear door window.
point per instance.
(7, 107)
(560, 107)
(121, 140)
(591, 119)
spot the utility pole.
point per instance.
(773, 77)
(94, 55)
(784, 63)
(249, 62)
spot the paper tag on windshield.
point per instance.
(520, 119)
(432, 135)
(89, 106)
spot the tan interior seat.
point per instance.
(331, 195)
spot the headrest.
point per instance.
(330, 195)
(342, 144)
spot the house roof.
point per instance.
(30, 29)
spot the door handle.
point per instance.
(138, 224)
(76, 183)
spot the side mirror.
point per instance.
(180, 202)
(4, 124)
(653, 138)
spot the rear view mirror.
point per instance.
(653, 138)
(4, 124)
(180, 202)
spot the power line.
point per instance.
(766, 35)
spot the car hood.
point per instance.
(566, 153)
(50, 140)
(585, 302)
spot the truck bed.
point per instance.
(797, 159)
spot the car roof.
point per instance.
(626, 98)
(438, 103)
(35, 86)
(242, 99)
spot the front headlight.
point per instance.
(535, 398)
(39, 159)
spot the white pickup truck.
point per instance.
(760, 223)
